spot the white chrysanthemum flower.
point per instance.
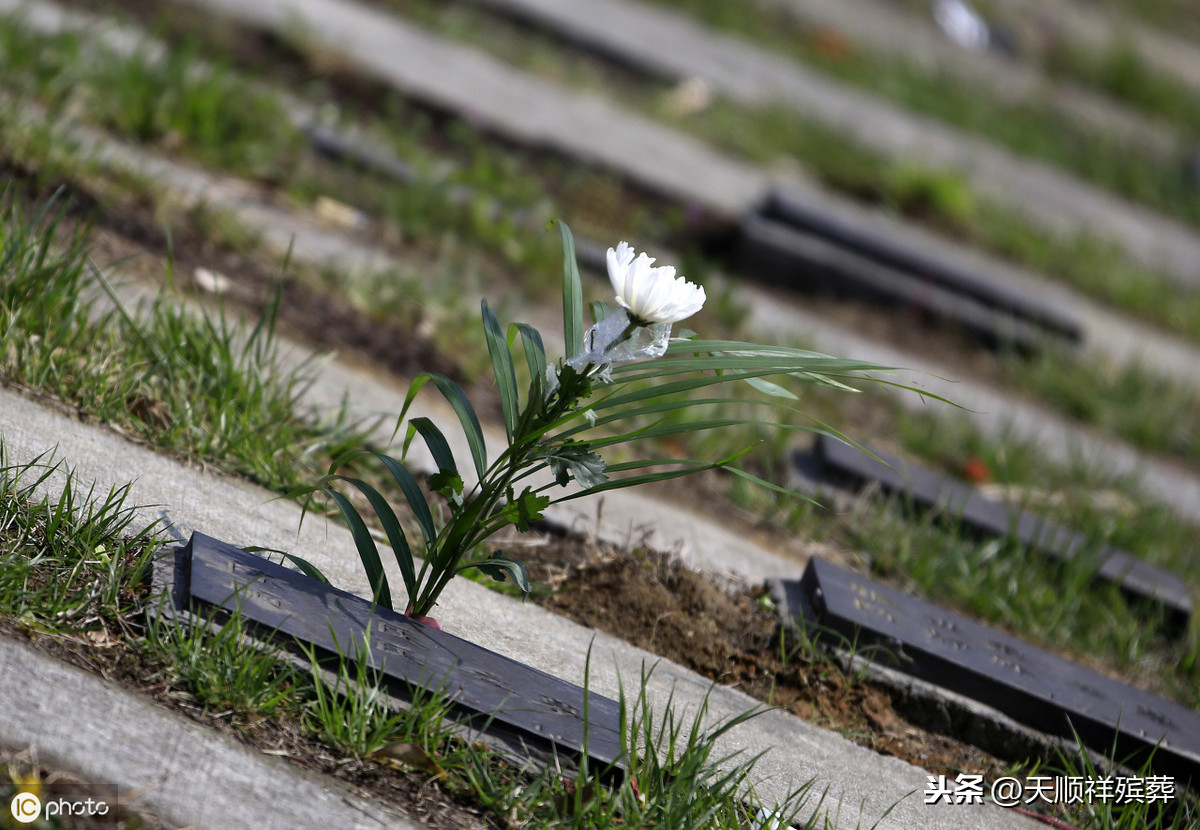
(651, 295)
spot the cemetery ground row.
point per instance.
(1148, 530)
(91, 610)
(323, 328)
(1094, 267)
(1120, 402)
(156, 411)
(821, 690)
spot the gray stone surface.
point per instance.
(864, 784)
(637, 32)
(513, 103)
(187, 774)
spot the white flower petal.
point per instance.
(649, 294)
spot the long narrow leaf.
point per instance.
(439, 448)
(732, 363)
(689, 468)
(395, 533)
(457, 399)
(502, 367)
(307, 568)
(674, 404)
(672, 388)
(414, 388)
(501, 568)
(572, 295)
(414, 496)
(367, 552)
(663, 430)
(535, 352)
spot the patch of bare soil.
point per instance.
(724, 633)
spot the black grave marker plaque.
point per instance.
(846, 466)
(936, 272)
(1026, 683)
(806, 261)
(524, 707)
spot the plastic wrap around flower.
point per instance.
(616, 339)
(651, 300)
(649, 294)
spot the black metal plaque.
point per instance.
(933, 270)
(525, 706)
(846, 466)
(1026, 683)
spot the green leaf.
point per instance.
(438, 446)
(395, 533)
(501, 568)
(414, 496)
(448, 484)
(587, 467)
(672, 404)
(307, 568)
(572, 295)
(535, 359)
(524, 510)
(682, 468)
(457, 399)
(367, 552)
(769, 388)
(502, 367)
(600, 311)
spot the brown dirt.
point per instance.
(723, 632)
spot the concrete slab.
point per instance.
(1105, 28)
(910, 33)
(188, 774)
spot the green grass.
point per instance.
(192, 383)
(211, 115)
(1123, 75)
(68, 563)
(1128, 401)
